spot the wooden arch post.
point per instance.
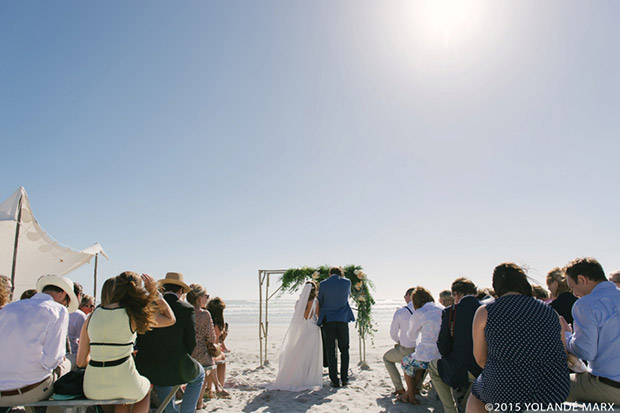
(263, 310)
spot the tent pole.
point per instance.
(95, 286)
(17, 226)
(260, 317)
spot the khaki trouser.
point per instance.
(42, 392)
(393, 356)
(585, 387)
(445, 392)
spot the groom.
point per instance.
(334, 316)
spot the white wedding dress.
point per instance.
(301, 356)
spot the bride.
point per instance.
(301, 356)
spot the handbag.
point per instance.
(214, 350)
(71, 384)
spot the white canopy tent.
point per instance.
(27, 251)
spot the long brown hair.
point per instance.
(138, 301)
(509, 277)
(315, 289)
(421, 296)
(216, 307)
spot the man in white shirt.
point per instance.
(33, 336)
(404, 345)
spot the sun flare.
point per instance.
(448, 20)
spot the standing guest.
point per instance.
(596, 332)
(28, 294)
(453, 374)
(216, 307)
(518, 342)
(5, 290)
(87, 305)
(164, 354)
(76, 321)
(127, 308)
(614, 277)
(205, 339)
(563, 298)
(404, 345)
(424, 326)
(335, 314)
(33, 336)
(445, 298)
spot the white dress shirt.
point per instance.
(400, 326)
(33, 335)
(424, 325)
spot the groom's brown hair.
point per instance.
(335, 270)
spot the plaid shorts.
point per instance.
(409, 364)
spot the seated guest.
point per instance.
(453, 374)
(486, 295)
(5, 290)
(404, 345)
(424, 326)
(614, 277)
(76, 320)
(445, 298)
(33, 336)
(87, 305)
(518, 343)
(539, 293)
(563, 298)
(205, 340)
(216, 307)
(164, 354)
(108, 337)
(597, 307)
(28, 294)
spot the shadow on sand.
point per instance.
(284, 401)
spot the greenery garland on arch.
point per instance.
(294, 278)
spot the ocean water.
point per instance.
(246, 312)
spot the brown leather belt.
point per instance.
(23, 390)
(608, 382)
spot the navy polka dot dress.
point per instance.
(526, 361)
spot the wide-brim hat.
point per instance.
(175, 278)
(63, 283)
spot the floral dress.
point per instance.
(205, 333)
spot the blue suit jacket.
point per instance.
(334, 300)
(457, 354)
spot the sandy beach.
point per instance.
(368, 390)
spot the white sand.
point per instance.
(368, 390)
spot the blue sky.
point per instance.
(421, 140)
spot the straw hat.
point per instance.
(175, 278)
(63, 283)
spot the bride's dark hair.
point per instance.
(314, 290)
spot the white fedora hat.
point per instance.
(64, 284)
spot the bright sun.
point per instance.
(448, 20)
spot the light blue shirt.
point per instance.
(596, 330)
